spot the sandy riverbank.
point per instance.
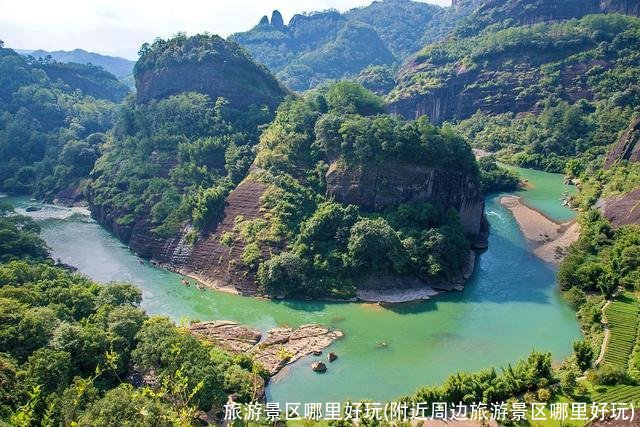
(549, 239)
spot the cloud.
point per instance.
(119, 27)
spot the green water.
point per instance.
(509, 307)
(544, 193)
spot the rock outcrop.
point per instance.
(499, 87)
(280, 347)
(627, 147)
(376, 187)
(205, 64)
(208, 260)
(621, 210)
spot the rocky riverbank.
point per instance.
(278, 348)
(549, 239)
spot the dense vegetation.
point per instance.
(332, 248)
(206, 64)
(68, 346)
(329, 45)
(575, 80)
(50, 129)
(174, 161)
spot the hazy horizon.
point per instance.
(119, 28)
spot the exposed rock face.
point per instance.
(503, 80)
(229, 335)
(209, 65)
(499, 87)
(528, 12)
(627, 147)
(622, 210)
(280, 347)
(629, 7)
(208, 260)
(376, 187)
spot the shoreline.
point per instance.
(549, 239)
(372, 295)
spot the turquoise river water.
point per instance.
(509, 307)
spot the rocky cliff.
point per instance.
(512, 69)
(624, 209)
(627, 147)
(528, 12)
(376, 187)
(621, 210)
(204, 64)
(208, 260)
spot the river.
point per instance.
(509, 307)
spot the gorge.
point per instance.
(502, 313)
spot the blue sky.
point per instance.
(119, 27)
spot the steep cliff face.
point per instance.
(624, 209)
(376, 187)
(629, 7)
(209, 259)
(204, 64)
(627, 147)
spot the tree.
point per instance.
(584, 354)
(350, 97)
(283, 274)
(124, 405)
(374, 247)
(52, 369)
(568, 380)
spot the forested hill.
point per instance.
(509, 56)
(330, 45)
(206, 64)
(119, 67)
(52, 120)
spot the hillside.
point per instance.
(204, 64)
(329, 45)
(119, 67)
(172, 183)
(513, 69)
(183, 143)
(52, 120)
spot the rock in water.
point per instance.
(319, 367)
(229, 335)
(332, 356)
(280, 347)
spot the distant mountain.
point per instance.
(329, 45)
(119, 67)
(508, 56)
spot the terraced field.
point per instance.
(622, 317)
(619, 393)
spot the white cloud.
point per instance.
(119, 27)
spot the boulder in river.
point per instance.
(331, 356)
(319, 366)
(229, 335)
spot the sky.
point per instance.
(119, 27)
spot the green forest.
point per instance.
(309, 163)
